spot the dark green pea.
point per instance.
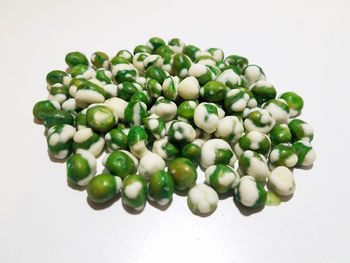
(161, 187)
(136, 134)
(153, 88)
(119, 60)
(124, 72)
(214, 91)
(42, 108)
(100, 118)
(263, 91)
(141, 96)
(283, 155)
(81, 167)
(164, 51)
(57, 76)
(116, 139)
(104, 76)
(80, 119)
(190, 51)
(125, 54)
(100, 59)
(60, 146)
(192, 152)
(119, 164)
(243, 196)
(305, 152)
(55, 117)
(294, 101)
(155, 42)
(135, 112)
(254, 141)
(127, 89)
(280, 134)
(237, 61)
(78, 70)
(134, 192)
(180, 65)
(156, 73)
(183, 173)
(103, 188)
(142, 49)
(76, 58)
(186, 109)
(300, 130)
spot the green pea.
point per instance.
(88, 140)
(81, 168)
(155, 42)
(181, 132)
(250, 192)
(141, 96)
(89, 92)
(215, 71)
(183, 173)
(103, 188)
(164, 108)
(42, 108)
(125, 54)
(263, 91)
(186, 109)
(164, 51)
(253, 74)
(294, 101)
(305, 152)
(230, 129)
(119, 60)
(55, 117)
(217, 53)
(206, 60)
(100, 118)
(167, 64)
(201, 72)
(254, 164)
(278, 109)
(142, 49)
(124, 72)
(76, 58)
(138, 61)
(230, 78)
(136, 135)
(58, 76)
(100, 59)
(156, 73)
(192, 152)
(280, 134)
(283, 155)
(116, 139)
(176, 45)
(134, 192)
(161, 188)
(213, 91)
(153, 88)
(190, 51)
(259, 120)
(254, 141)
(59, 140)
(222, 178)
(237, 100)
(301, 130)
(59, 93)
(156, 125)
(165, 149)
(104, 76)
(135, 112)
(170, 87)
(74, 84)
(82, 71)
(180, 65)
(237, 61)
(127, 89)
(119, 164)
(80, 119)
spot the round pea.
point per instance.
(135, 112)
(186, 109)
(119, 164)
(180, 65)
(60, 139)
(137, 141)
(55, 117)
(281, 181)
(156, 73)
(76, 58)
(165, 149)
(263, 91)
(142, 49)
(250, 192)
(259, 120)
(305, 152)
(222, 178)
(58, 76)
(116, 139)
(103, 188)
(42, 108)
(81, 168)
(283, 155)
(192, 152)
(255, 141)
(213, 91)
(100, 118)
(254, 164)
(301, 130)
(181, 132)
(183, 173)
(100, 59)
(202, 199)
(294, 101)
(86, 139)
(134, 192)
(236, 60)
(161, 188)
(280, 134)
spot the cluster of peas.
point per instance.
(176, 106)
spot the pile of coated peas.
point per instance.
(162, 111)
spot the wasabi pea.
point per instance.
(213, 91)
(305, 152)
(82, 71)
(81, 168)
(263, 91)
(58, 76)
(176, 45)
(294, 101)
(278, 109)
(125, 54)
(229, 129)
(217, 53)
(183, 173)
(180, 64)
(201, 72)
(116, 139)
(127, 89)
(134, 192)
(188, 88)
(137, 141)
(89, 93)
(124, 73)
(301, 130)
(100, 118)
(202, 199)
(155, 42)
(255, 141)
(76, 58)
(42, 108)
(259, 120)
(156, 73)
(191, 51)
(117, 106)
(104, 76)
(55, 117)
(154, 89)
(142, 96)
(237, 100)
(222, 178)
(138, 61)
(250, 192)
(59, 140)
(135, 112)
(206, 117)
(165, 149)
(230, 78)
(119, 163)
(237, 61)
(281, 181)
(80, 119)
(100, 59)
(170, 87)
(74, 84)
(161, 188)
(164, 108)
(280, 134)
(283, 155)
(192, 151)
(103, 188)
(155, 125)
(149, 164)
(254, 164)
(181, 132)
(217, 151)
(87, 140)
(185, 110)
(253, 74)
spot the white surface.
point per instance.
(301, 45)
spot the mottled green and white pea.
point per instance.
(255, 141)
(134, 192)
(202, 199)
(55, 117)
(188, 88)
(230, 78)
(250, 192)
(60, 139)
(76, 58)
(104, 76)
(217, 151)
(156, 73)
(58, 92)
(82, 71)
(280, 134)
(103, 188)
(230, 129)
(222, 178)
(124, 72)
(118, 60)
(117, 106)
(100, 118)
(294, 101)
(254, 164)
(70, 105)
(167, 64)
(135, 112)
(201, 72)
(165, 149)
(180, 64)
(88, 93)
(170, 87)
(237, 100)
(185, 111)
(153, 60)
(305, 152)
(283, 155)
(81, 168)
(281, 181)
(252, 74)
(161, 188)
(176, 45)
(154, 89)
(259, 120)
(86, 139)
(181, 132)
(205, 59)
(213, 91)
(164, 51)
(192, 151)
(100, 59)
(191, 51)
(74, 84)
(164, 108)
(58, 76)
(155, 42)
(149, 164)
(206, 117)
(215, 71)
(301, 130)
(137, 141)
(278, 109)
(183, 173)
(217, 53)
(119, 163)
(127, 89)
(138, 61)
(237, 61)
(155, 125)
(43, 107)
(80, 119)
(263, 91)
(116, 139)
(142, 96)
(125, 54)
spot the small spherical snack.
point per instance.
(82, 71)
(281, 181)
(230, 78)
(161, 188)
(202, 199)
(280, 134)
(156, 73)
(154, 89)
(116, 139)
(201, 72)
(180, 65)
(237, 100)
(142, 49)
(42, 108)
(103, 188)
(213, 91)
(206, 117)
(252, 74)
(155, 42)
(89, 93)
(229, 129)
(142, 96)
(253, 164)
(125, 54)
(237, 61)
(176, 45)
(76, 58)
(135, 112)
(250, 192)
(305, 152)
(87, 140)
(259, 120)
(164, 108)
(81, 168)
(127, 89)
(58, 76)
(185, 111)
(192, 151)
(301, 130)
(149, 164)
(164, 51)
(55, 117)
(181, 132)
(283, 155)
(100, 118)
(80, 119)
(217, 151)
(119, 163)
(117, 106)
(170, 87)
(188, 88)
(205, 59)
(191, 51)
(255, 141)
(183, 173)
(222, 178)
(263, 91)
(124, 73)
(294, 101)
(59, 140)
(100, 59)
(70, 105)
(137, 141)
(104, 76)
(155, 125)
(58, 92)
(165, 149)
(278, 109)
(74, 84)
(217, 53)
(134, 192)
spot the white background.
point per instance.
(301, 45)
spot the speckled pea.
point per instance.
(176, 45)
(82, 71)
(281, 181)
(263, 91)
(104, 76)
(55, 117)
(230, 78)
(185, 110)
(222, 178)
(74, 84)
(125, 54)
(154, 89)
(124, 72)
(213, 91)
(42, 108)
(161, 188)
(192, 152)
(170, 87)
(156, 73)
(259, 120)
(190, 51)
(305, 152)
(137, 141)
(253, 73)
(250, 192)
(237, 100)
(76, 58)
(294, 101)
(283, 155)
(81, 168)
(202, 199)
(206, 117)
(237, 61)
(127, 89)
(217, 151)
(103, 188)
(155, 42)
(255, 141)
(118, 60)
(116, 139)
(134, 192)
(142, 49)
(155, 125)
(201, 72)
(164, 51)
(58, 76)
(141, 96)
(100, 59)
(135, 112)
(119, 164)
(230, 129)
(181, 132)
(88, 93)
(165, 149)
(59, 140)
(183, 173)
(164, 108)
(254, 164)
(301, 130)
(280, 134)
(180, 65)
(278, 109)
(100, 118)
(88, 140)
(217, 53)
